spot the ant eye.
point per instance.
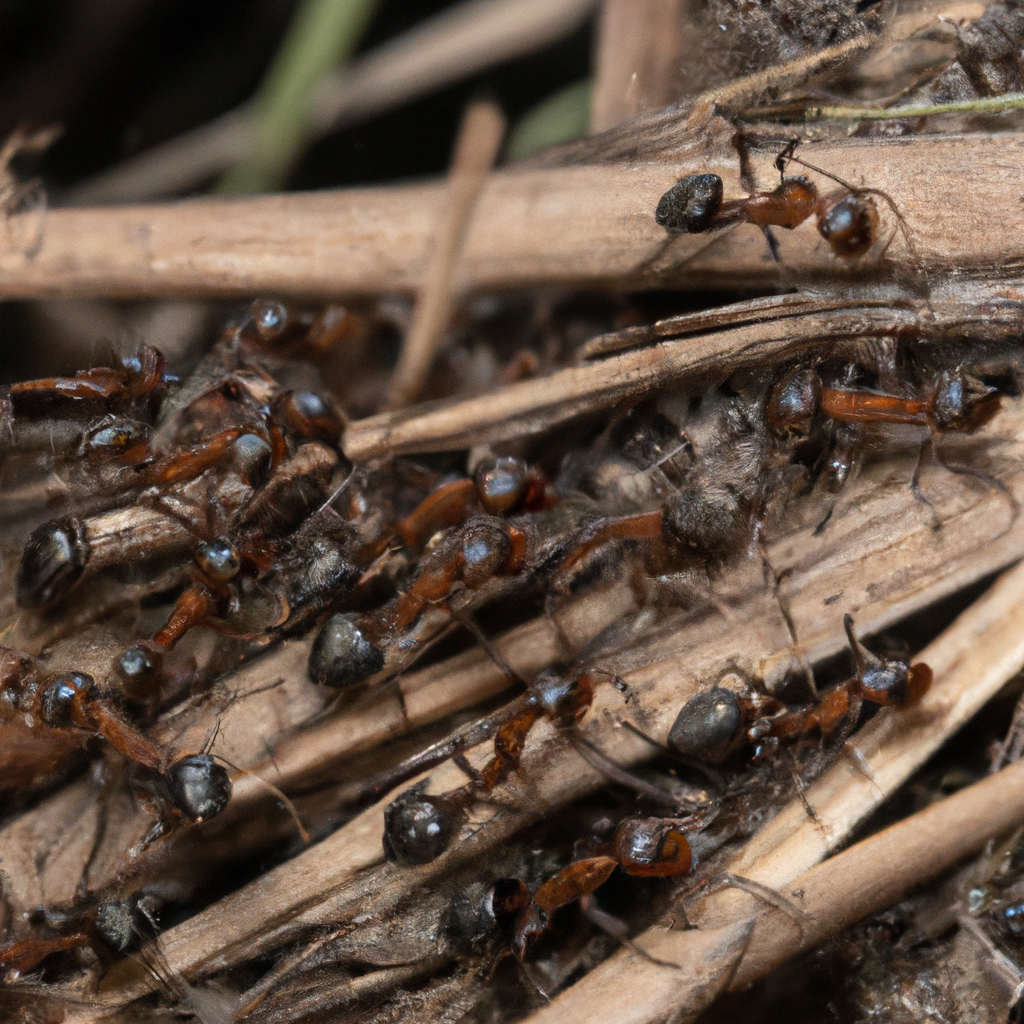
(500, 483)
(199, 787)
(218, 559)
(341, 655)
(51, 563)
(707, 726)
(850, 226)
(691, 204)
(417, 828)
(793, 403)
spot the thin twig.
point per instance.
(476, 149)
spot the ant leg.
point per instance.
(445, 507)
(616, 773)
(776, 581)
(773, 244)
(618, 929)
(927, 448)
(464, 618)
(979, 474)
(643, 526)
(766, 895)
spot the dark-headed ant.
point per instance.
(712, 725)
(110, 928)
(848, 222)
(192, 788)
(499, 485)
(418, 827)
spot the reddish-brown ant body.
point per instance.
(193, 787)
(848, 222)
(712, 725)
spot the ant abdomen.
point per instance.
(418, 828)
(708, 727)
(341, 655)
(54, 558)
(691, 204)
(198, 786)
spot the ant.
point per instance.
(111, 928)
(644, 847)
(849, 223)
(485, 557)
(192, 788)
(499, 485)
(711, 726)
(955, 400)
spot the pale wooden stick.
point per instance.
(755, 333)
(866, 878)
(574, 225)
(476, 149)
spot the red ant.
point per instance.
(499, 485)
(193, 787)
(956, 400)
(642, 846)
(848, 223)
(712, 725)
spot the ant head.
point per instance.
(962, 402)
(199, 787)
(341, 655)
(652, 846)
(486, 549)
(308, 415)
(113, 438)
(418, 828)
(51, 564)
(501, 483)
(793, 402)
(565, 699)
(691, 204)
(850, 226)
(708, 726)
(253, 458)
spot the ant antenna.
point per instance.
(344, 483)
(288, 805)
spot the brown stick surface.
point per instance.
(574, 224)
(750, 334)
(878, 574)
